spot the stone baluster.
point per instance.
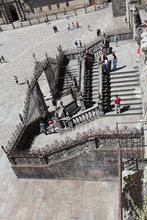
(96, 113)
(81, 119)
(92, 113)
(70, 123)
(78, 120)
(86, 116)
(89, 115)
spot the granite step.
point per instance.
(124, 97)
(124, 84)
(126, 93)
(129, 102)
(124, 72)
(128, 112)
(123, 89)
(121, 80)
(124, 75)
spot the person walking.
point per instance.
(43, 128)
(77, 24)
(88, 27)
(56, 29)
(76, 43)
(116, 39)
(69, 28)
(3, 59)
(114, 62)
(80, 43)
(73, 25)
(98, 32)
(59, 48)
(117, 104)
(138, 54)
(51, 126)
(107, 64)
(16, 79)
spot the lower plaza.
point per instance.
(63, 198)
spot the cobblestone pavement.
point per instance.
(46, 199)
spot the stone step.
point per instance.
(130, 102)
(121, 80)
(125, 97)
(124, 89)
(95, 87)
(128, 112)
(125, 93)
(68, 73)
(73, 62)
(95, 82)
(123, 75)
(132, 106)
(124, 84)
(95, 74)
(124, 72)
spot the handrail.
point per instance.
(81, 118)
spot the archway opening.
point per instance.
(13, 13)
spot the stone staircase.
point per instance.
(95, 82)
(126, 86)
(70, 73)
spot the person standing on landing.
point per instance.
(114, 62)
(117, 104)
(116, 39)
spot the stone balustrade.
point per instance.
(81, 118)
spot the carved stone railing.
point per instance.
(73, 53)
(97, 138)
(79, 119)
(123, 34)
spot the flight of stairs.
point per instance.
(71, 71)
(95, 82)
(126, 86)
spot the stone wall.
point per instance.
(90, 159)
(96, 164)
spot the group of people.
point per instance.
(78, 44)
(60, 49)
(2, 59)
(109, 65)
(73, 26)
(48, 127)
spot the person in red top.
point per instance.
(138, 54)
(117, 104)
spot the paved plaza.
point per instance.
(46, 199)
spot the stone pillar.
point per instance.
(82, 104)
(22, 11)
(100, 106)
(4, 12)
(18, 10)
(127, 11)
